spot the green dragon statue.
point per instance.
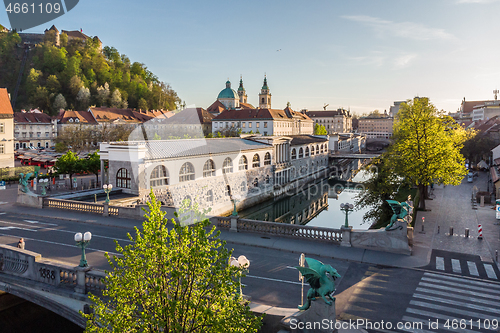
(23, 181)
(400, 209)
(321, 284)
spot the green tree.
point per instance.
(92, 164)
(156, 137)
(176, 280)
(68, 163)
(427, 146)
(320, 130)
(142, 104)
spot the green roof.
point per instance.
(228, 92)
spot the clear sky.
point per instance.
(362, 55)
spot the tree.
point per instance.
(59, 103)
(102, 94)
(176, 280)
(116, 99)
(320, 130)
(92, 164)
(156, 137)
(142, 104)
(427, 146)
(68, 163)
(83, 97)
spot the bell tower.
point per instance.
(265, 96)
(241, 92)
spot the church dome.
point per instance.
(228, 92)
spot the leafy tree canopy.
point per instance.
(65, 69)
(174, 279)
(320, 130)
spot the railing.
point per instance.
(94, 280)
(86, 207)
(113, 211)
(283, 229)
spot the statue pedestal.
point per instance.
(320, 317)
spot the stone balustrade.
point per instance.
(30, 265)
(86, 207)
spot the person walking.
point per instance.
(21, 243)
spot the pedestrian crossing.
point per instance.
(462, 264)
(444, 303)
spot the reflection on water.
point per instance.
(314, 206)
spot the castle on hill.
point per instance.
(77, 35)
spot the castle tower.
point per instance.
(241, 92)
(265, 96)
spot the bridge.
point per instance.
(353, 156)
(54, 285)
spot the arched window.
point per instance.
(256, 161)
(159, 176)
(243, 163)
(187, 172)
(294, 154)
(255, 182)
(312, 151)
(268, 180)
(227, 166)
(267, 159)
(317, 149)
(210, 196)
(123, 178)
(209, 168)
(228, 190)
(301, 153)
(321, 149)
(243, 186)
(307, 151)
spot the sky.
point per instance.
(358, 55)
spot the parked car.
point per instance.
(470, 177)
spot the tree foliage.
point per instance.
(87, 137)
(174, 279)
(427, 146)
(65, 69)
(320, 130)
(92, 164)
(68, 163)
(477, 147)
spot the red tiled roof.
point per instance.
(28, 117)
(216, 107)
(261, 114)
(246, 106)
(84, 117)
(5, 107)
(191, 116)
(467, 106)
(75, 34)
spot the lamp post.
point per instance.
(43, 184)
(242, 263)
(347, 208)
(82, 242)
(107, 188)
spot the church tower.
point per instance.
(265, 96)
(241, 92)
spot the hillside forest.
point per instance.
(78, 74)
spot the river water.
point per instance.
(317, 205)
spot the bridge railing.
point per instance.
(87, 207)
(30, 265)
(280, 229)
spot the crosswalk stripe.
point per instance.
(472, 268)
(440, 326)
(461, 291)
(490, 271)
(462, 297)
(462, 304)
(440, 263)
(466, 313)
(463, 281)
(455, 265)
(462, 286)
(439, 316)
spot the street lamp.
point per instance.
(43, 184)
(242, 263)
(347, 208)
(107, 188)
(83, 241)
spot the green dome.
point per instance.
(228, 92)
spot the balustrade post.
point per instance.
(105, 211)
(346, 236)
(234, 223)
(80, 279)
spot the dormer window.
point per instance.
(70, 120)
(77, 120)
